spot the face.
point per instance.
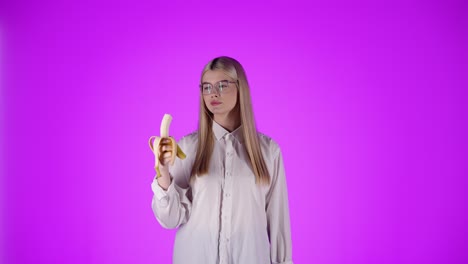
(220, 104)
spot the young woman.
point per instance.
(228, 198)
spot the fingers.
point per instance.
(166, 155)
(165, 159)
(165, 151)
(165, 147)
(166, 141)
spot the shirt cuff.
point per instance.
(160, 194)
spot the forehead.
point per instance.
(213, 76)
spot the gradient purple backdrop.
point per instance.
(367, 101)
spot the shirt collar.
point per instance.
(221, 132)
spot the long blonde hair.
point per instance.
(205, 132)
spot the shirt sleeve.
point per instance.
(172, 207)
(277, 210)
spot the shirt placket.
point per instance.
(226, 209)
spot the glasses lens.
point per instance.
(206, 88)
(222, 85)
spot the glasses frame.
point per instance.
(215, 87)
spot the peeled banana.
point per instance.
(155, 141)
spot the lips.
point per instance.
(215, 103)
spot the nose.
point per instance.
(215, 93)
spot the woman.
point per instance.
(228, 198)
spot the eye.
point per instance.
(222, 85)
(206, 88)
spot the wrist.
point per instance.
(164, 181)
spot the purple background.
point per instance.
(367, 101)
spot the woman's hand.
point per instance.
(165, 154)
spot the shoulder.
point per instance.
(268, 145)
(189, 141)
(189, 137)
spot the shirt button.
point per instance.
(228, 174)
(228, 195)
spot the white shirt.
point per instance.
(224, 216)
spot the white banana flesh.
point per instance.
(154, 143)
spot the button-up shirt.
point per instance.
(225, 216)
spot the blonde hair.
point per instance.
(206, 138)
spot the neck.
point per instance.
(229, 121)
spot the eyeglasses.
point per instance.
(221, 87)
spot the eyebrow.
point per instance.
(216, 82)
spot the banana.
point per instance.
(155, 141)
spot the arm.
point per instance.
(172, 206)
(277, 211)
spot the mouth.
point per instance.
(215, 103)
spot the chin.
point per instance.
(216, 112)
